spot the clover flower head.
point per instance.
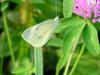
(86, 8)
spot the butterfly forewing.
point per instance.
(39, 34)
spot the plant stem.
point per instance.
(77, 60)
(38, 54)
(9, 38)
(70, 56)
(69, 61)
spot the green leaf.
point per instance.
(65, 23)
(24, 67)
(97, 26)
(67, 8)
(90, 37)
(70, 40)
(55, 42)
(4, 6)
(88, 65)
(19, 70)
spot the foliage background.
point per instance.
(22, 14)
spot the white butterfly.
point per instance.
(39, 34)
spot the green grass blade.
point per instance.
(8, 37)
(38, 55)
